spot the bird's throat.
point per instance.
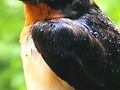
(39, 12)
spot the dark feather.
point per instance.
(84, 52)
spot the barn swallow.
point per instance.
(69, 45)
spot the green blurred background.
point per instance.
(11, 23)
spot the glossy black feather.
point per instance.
(84, 52)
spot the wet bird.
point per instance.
(69, 45)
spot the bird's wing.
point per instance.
(72, 48)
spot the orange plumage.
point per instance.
(39, 12)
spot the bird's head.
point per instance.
(72, 9)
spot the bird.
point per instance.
(69, 45)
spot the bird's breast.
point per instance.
(38, 75)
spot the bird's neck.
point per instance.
(39, 12)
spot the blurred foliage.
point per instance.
(11, 23)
